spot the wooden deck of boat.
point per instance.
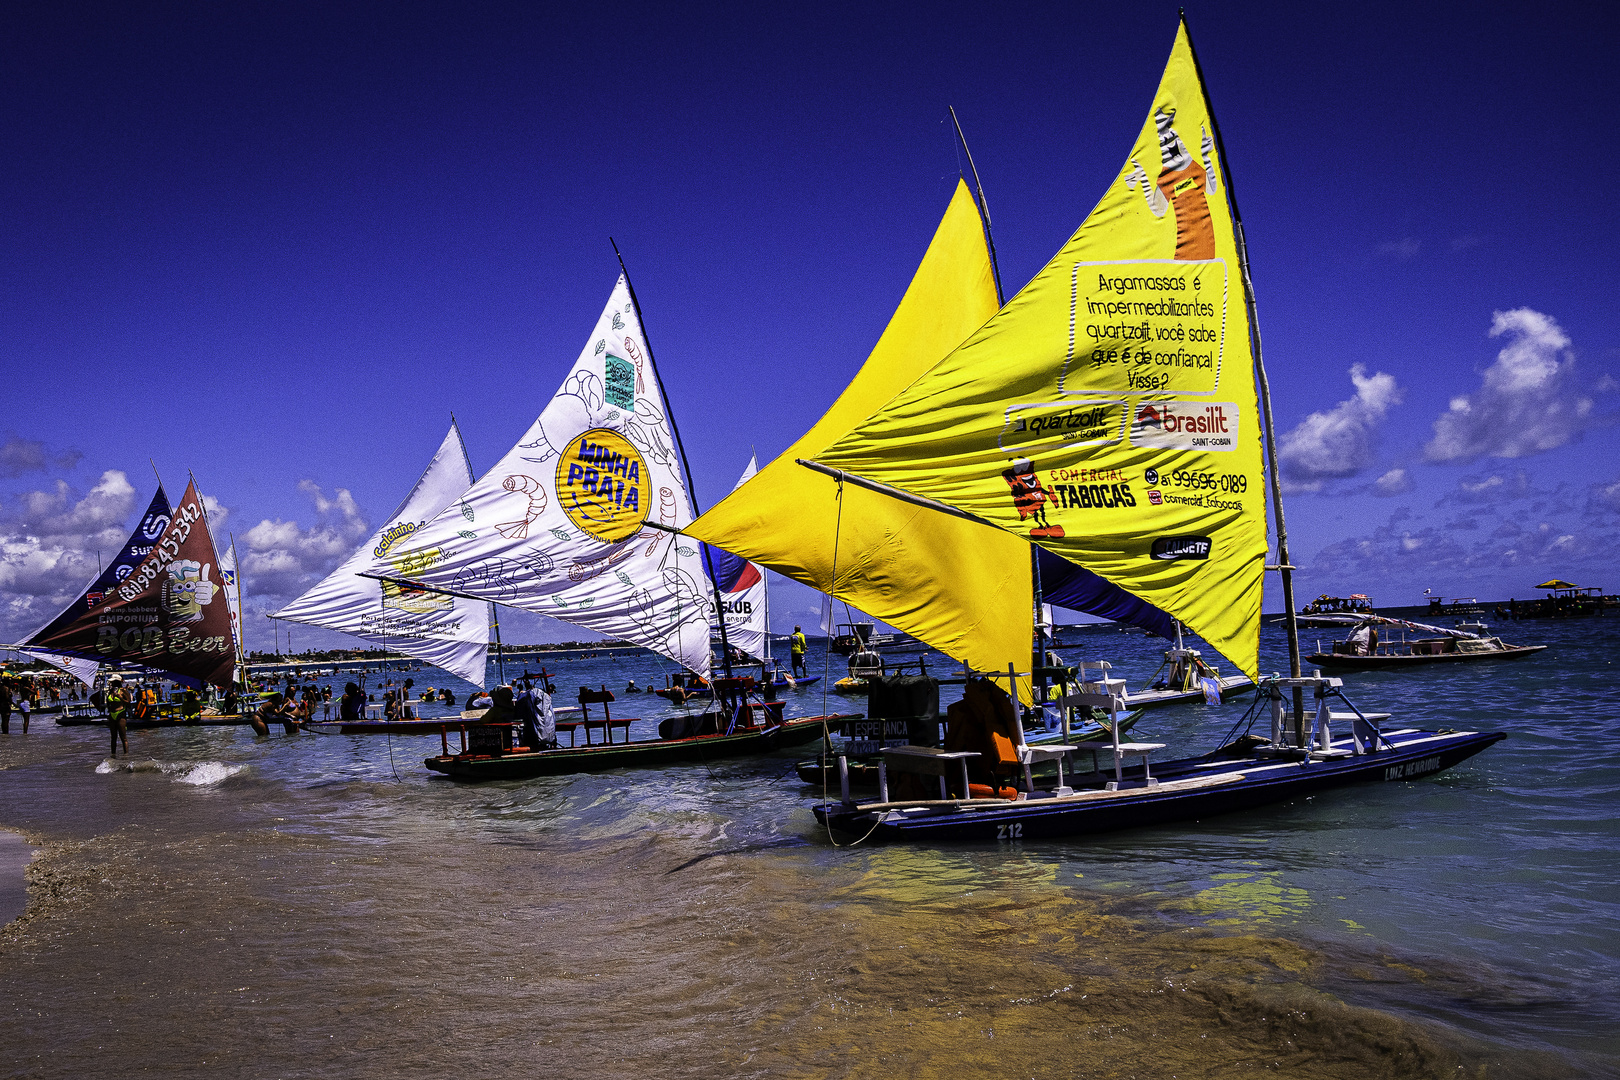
(1152, 699)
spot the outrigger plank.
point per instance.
(518, 765)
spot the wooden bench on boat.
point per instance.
(1109, 695)
(587, 698)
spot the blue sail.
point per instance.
(137, 547)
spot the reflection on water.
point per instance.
(285, 906)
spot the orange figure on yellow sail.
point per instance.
(1030, 497)
(1182, 184)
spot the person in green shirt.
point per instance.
(799, 647)
(117, 711)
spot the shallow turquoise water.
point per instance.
(1480, 902)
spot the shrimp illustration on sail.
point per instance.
(588, 566)
(527, 485)
(666, 516)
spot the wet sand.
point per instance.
(277, 950)
(15, 853)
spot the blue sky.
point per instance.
(278, 245)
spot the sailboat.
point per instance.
(84, 666)
(449, 632)
(580, 521)
(166, 614)
(1115, 414)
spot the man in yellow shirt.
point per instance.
(799, 647)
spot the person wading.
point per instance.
(117, 714)
(798, 646)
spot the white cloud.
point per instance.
(283, 558)
(216, 512)
(1394, 482)
(49, 545)
(1604, 498)
(1407, 247)
(1527, 401)
(19, 455)
(1491, 489)
(1339, 442)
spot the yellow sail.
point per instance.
(1108, 412)
(962, 587)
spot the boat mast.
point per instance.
(691, 489)
(1283, 567)
(1038, 653)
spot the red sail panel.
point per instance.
(169, 614)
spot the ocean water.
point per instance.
(216, 904)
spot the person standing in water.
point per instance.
(798, 647)
(117, 712)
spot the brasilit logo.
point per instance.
(1182, 547)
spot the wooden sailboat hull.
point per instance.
(1383, 663)
(635, 755)
(1189, 790)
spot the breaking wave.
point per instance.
(195, 773)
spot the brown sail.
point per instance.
(169, 614)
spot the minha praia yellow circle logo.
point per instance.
(601, 484)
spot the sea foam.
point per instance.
(194, 773)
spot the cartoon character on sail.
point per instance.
(187, 590)
(526, 485)
(1030, 498)
(1182, 183)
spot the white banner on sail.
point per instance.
(558, 525)
(448, 632)
(742, 589)
(81, 669)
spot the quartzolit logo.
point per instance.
(1182, 547)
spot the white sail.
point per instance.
(742, 588)
(446, 631)
(232, 583)
(558, 526)
(81, 669)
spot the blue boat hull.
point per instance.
(1190, 789)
